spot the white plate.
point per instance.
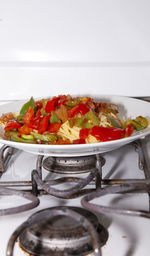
(128, 107)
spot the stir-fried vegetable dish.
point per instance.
(68, 120)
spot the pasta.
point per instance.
(65, 119)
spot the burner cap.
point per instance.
(61, 235)
(71, 165)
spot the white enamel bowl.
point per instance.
(128, 107)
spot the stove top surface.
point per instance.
(126, 234)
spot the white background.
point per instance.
(76, 46)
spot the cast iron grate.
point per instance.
(98, 186)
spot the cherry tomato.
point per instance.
(39, 105)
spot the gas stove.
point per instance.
(116, 196)
(75, 47)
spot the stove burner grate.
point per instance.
(61, 231)
(38, 186)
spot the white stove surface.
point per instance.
(128, 236)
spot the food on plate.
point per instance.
(68, 120)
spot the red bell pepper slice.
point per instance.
(43, 125)
(53, 128)
(83, 109)
(107, 133)
(50, 105)
(80, 108)
(84, 133)
(25, 129)
(38, 113)
(35, 123)
(62, 102)
(12, 124)
(79, 141)
(28, 116)
(73, 111)
(129, 130)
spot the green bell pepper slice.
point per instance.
(92, 117)
(79, 122)
(142, 121)
(16, 138)
(88, 125)
(114, 122)
(10, 133)
(92, 120)
(72, 103)
(31, 103)
(45, 137)
(54, 118)
(84, 122)
(27, 137)
(139, 123)
(20, 118)
(89, 120)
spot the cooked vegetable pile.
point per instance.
(66, 120)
